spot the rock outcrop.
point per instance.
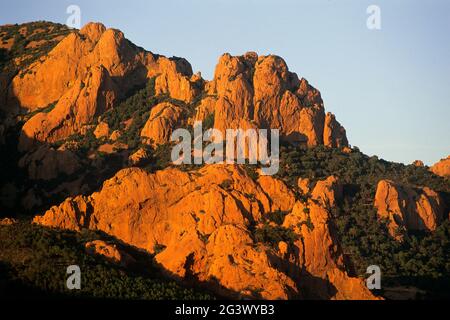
(164, 119)
(102, 130)
(86, 74)
(334, 134)
(90, 71)
(198, 224)
(442, 168)
(7, 221)
(47, 163)
(418, 163)
(260, 92)
(139, 157)
(406, 208)
(109, 251)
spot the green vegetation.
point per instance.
(34, 261)
(422, 260)
(272, 234)
(28, 253)
(23, 35)
(131, 115)
(208, 123)
(46, 109)
(277, 216)
(227, 185)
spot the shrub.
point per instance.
(34, 259)
(272, 235)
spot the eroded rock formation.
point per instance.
(86, 74)
(260, 92)
(406, 208)
(442, 168)
(199, 224)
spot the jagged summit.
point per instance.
(85, 122)
(90, 71)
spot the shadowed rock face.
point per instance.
(408, 209)
(204, 219)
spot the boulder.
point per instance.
(102, 130)
(110, 252)
(163, 120)
(138, 157)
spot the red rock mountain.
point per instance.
(89, 71)
(209, 224)
(203, 219)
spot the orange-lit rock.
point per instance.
(260, 92)
(334, 134)
(328, 192)
(442, 168)
(115, 135)
(198, 224)
(138, 157)
(418, 163)
(163, 120)
(77, 107)
(7, 221)
(304, 185)
(323, 275)
(102, 130)
(406, 208)
(282, 198)
(180, 211)
(174, 79)
(86, 74)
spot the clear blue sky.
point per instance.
(390, 88)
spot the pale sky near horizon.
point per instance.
(390, 88)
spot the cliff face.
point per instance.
(89, 71)
(442, 168)
(260, 92)
(205, 223)
(65, 92)
(86, 74)
(408, 209)
(95, 109)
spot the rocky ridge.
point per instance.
(200, 225)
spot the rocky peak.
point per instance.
(93, 31)
(252, 91)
